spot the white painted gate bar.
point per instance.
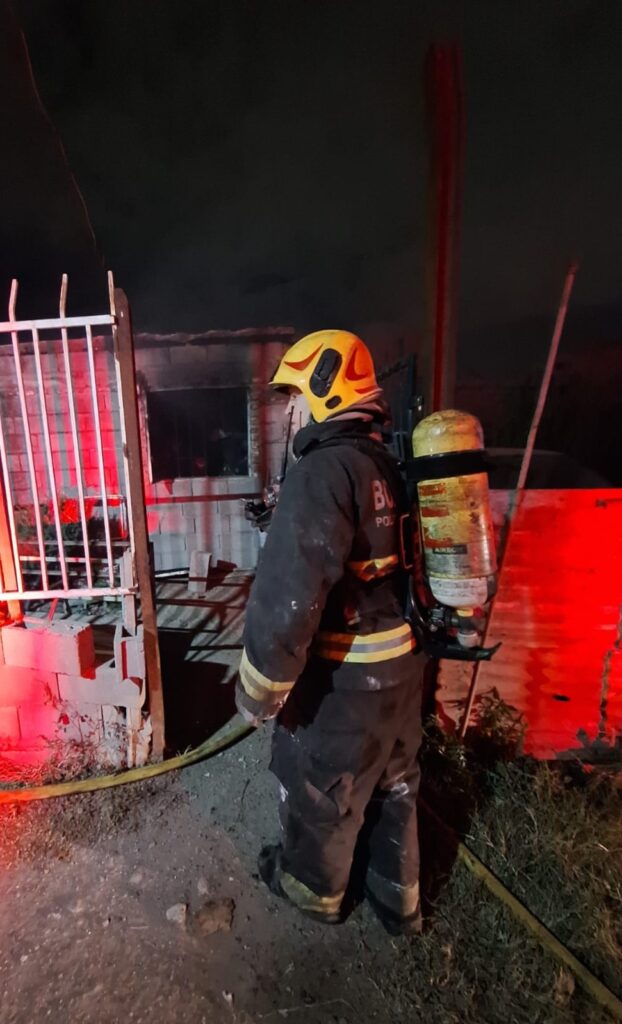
(45, 561)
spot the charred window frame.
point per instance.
(197, 432)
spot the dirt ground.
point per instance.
(85, 888)
(86, 883)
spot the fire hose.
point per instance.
(209, 748)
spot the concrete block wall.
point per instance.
(53, 647)
(52, 695)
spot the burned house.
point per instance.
(212, 436)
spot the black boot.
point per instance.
(269, 867)
(392, 922)
(270, 871)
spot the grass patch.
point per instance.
(553, 834)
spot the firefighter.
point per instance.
(329, 654)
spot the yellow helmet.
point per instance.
(333, 369)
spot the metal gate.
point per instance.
(72, 507)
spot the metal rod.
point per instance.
(100, 451)
(49, 457)
(74, 430)
(54, 324)
(27, 435)
(70, 559)
(522, 477)
(76, 592)
(122, 417)
(10, 510)
(546, 378)
(111, 298)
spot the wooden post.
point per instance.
(124, 354)
(444, 96)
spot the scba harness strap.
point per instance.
(388, 469)
(387, 644)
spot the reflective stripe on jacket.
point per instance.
(367, 648)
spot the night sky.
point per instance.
(265, 163)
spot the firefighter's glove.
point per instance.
(255, 720)
(254, 509)
(258, 514)
(249, 718)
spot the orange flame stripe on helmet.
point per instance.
(302, 365)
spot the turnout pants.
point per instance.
(346, 758)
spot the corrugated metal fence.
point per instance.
(559, 616)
